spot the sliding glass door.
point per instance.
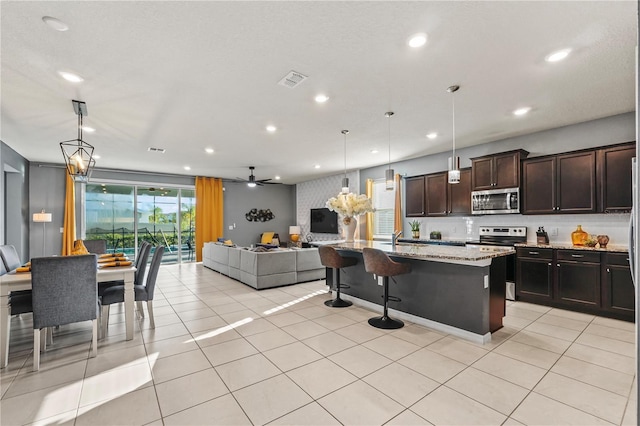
(126, 215)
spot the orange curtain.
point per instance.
(69, 226)
(369, 216)
(397, 217)
(209, 212)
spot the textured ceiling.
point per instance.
(188, 75)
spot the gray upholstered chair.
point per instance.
(141, 267)
(143, 293)
(378, 263)
(10, 257)
(65, 291)
(96, 246)
(20, 300)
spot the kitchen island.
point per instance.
(458, 290)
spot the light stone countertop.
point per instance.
(614, 248)
(469, 255)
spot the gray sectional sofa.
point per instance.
(264, 269)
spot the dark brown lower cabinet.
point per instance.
(534, 275)
(580, 280)
(578, 277)
(618, 292)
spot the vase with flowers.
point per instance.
(350, 206)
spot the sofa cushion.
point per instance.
(275, 262)
(234, 258)
(308, 259)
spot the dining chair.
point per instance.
(10, 257)
(65, 291)
(96, 246)
(141, 267)
(143, 293)
(19, 300)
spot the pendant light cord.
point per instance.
(345, 152)
(453, 107)
(390, 115)
(80, 126)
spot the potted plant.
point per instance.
(415, 229)
(435, 235)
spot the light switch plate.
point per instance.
(486, 281)
(380, 280)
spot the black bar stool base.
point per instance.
(337, 303)
(385, 323)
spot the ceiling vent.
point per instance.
(292, 79)
(160, 150)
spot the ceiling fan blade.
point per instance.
(273, 183)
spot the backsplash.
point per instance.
(559, 227)
(314, 194)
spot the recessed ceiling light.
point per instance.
(187, 168)
(521, 111)
(317, 166)
(74, 78)
(374, 151)
(277, 178)
(88, 129)
(97, 157)
(209, 150)
(432, 135)
(55, 23)
(557, 56)
(271, 128)
(321, 98)
(417, 40)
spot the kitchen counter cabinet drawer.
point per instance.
(578, 256)
(621, 259)
(535, 253)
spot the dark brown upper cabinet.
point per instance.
(614, 178)
(415, 196)
(436, 185)
(560, 184)
(497, 171)
(433, 195)
(460, 194)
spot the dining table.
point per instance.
(14, 281)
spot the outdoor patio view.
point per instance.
(125, 216)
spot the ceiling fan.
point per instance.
(252, 181)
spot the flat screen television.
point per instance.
(324, 221)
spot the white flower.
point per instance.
(350, 205)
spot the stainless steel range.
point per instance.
(505, 236)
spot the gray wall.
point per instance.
(14, 200)
(590, 134)
(239, 199)
(47, 191)
(601, 132)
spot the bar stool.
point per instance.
(378, 263)
(330, 258)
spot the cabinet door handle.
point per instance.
(608, 271)
(534, 253)
(558, 265)
(577, 255)
(549, 264)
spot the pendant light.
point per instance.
(389, 173)
(345, 179)
(454, 162)
(78, 155)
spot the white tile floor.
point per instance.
(223, 353)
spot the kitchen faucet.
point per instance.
(394, 238)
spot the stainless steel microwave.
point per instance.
(495, 201)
